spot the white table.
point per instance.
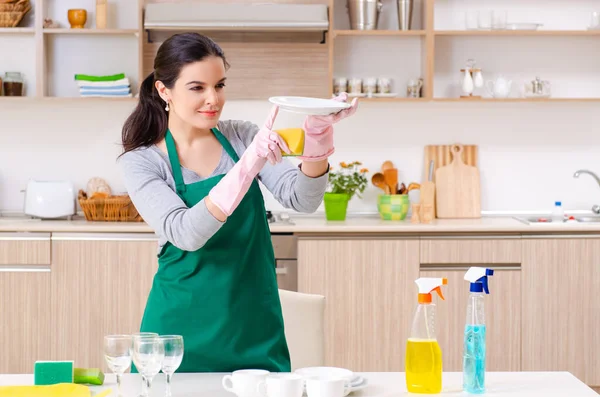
(381, 384)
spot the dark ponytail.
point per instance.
(148, 123)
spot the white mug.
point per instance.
(281, 385)
(326, 387)
(244, 382)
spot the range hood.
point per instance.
(237, 17)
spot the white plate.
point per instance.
(327, 371)
(523, 26)
(310, 106)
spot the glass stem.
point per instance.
(144, 386)
(118, 384)
(148, 385)
(169, 376)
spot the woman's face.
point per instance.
(198, 96)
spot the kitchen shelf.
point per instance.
(17, 30)
(379, 33)
(306, 64)
(556, 33)
(396, 99)
(108, 32)
(480, 100)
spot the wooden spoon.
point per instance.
(379, 180)
(391, 179)
(387, 165)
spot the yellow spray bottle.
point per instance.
(423, 354)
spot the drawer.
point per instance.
(287, 275)
(285, 246)
(25, 249)
(471, 250)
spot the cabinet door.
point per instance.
(100, 283)
(502, 316)
(25, 317)
(369, 287)
(561, 308)
(24, 301)
(287, 275)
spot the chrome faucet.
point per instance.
(595, 208)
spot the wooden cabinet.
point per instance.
(561, 308)
(368, 285)
(24, 300)
(451, 257)
(100, 283)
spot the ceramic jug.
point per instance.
(499, 88)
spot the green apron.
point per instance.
(223, 298)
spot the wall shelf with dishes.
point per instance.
(550, 50)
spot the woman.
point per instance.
(193, 178)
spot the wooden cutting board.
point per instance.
(458, 191)
(441, 156)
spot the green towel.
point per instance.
(87, 77)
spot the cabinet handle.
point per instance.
(465, 267)
(104, 237)
(24, 236)
(24, 269)
(281, 270)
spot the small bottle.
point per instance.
(558, 214)
(474, 343)
(423, 354)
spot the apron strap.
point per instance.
(175, 165)
(226, 145)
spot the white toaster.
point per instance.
(50, 199)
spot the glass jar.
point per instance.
(13, 84)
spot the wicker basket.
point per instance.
(20, 6)
(11, 14)
(112, 208)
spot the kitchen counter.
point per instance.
(380, 384)
(317, 224)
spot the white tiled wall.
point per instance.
(528, 151)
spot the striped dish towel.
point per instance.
(116, 83)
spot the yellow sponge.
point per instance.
(294, 138)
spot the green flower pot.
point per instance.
(393, 207)
(336, 205)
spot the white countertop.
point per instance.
(316, 224)
(381, 384)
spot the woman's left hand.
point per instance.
(269, 143)
(319, 131)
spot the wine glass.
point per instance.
(148, 355)
(173, 356)
(139, 335)
(117, 352)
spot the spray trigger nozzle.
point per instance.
(478, 277)
(439, 292)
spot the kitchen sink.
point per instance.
(540, 220)
(588, 219)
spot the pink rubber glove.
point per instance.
(318, 131)
(266, 146)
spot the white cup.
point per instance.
(321, 386)
(244, 382)
(281, 385)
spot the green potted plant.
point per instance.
(350, 180)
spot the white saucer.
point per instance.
(334, 372)
(308, 106)
(359, 386)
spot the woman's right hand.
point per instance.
(267, 143)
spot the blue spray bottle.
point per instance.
(474, 339)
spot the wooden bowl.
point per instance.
(77, 18)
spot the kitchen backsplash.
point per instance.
(528, 152)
